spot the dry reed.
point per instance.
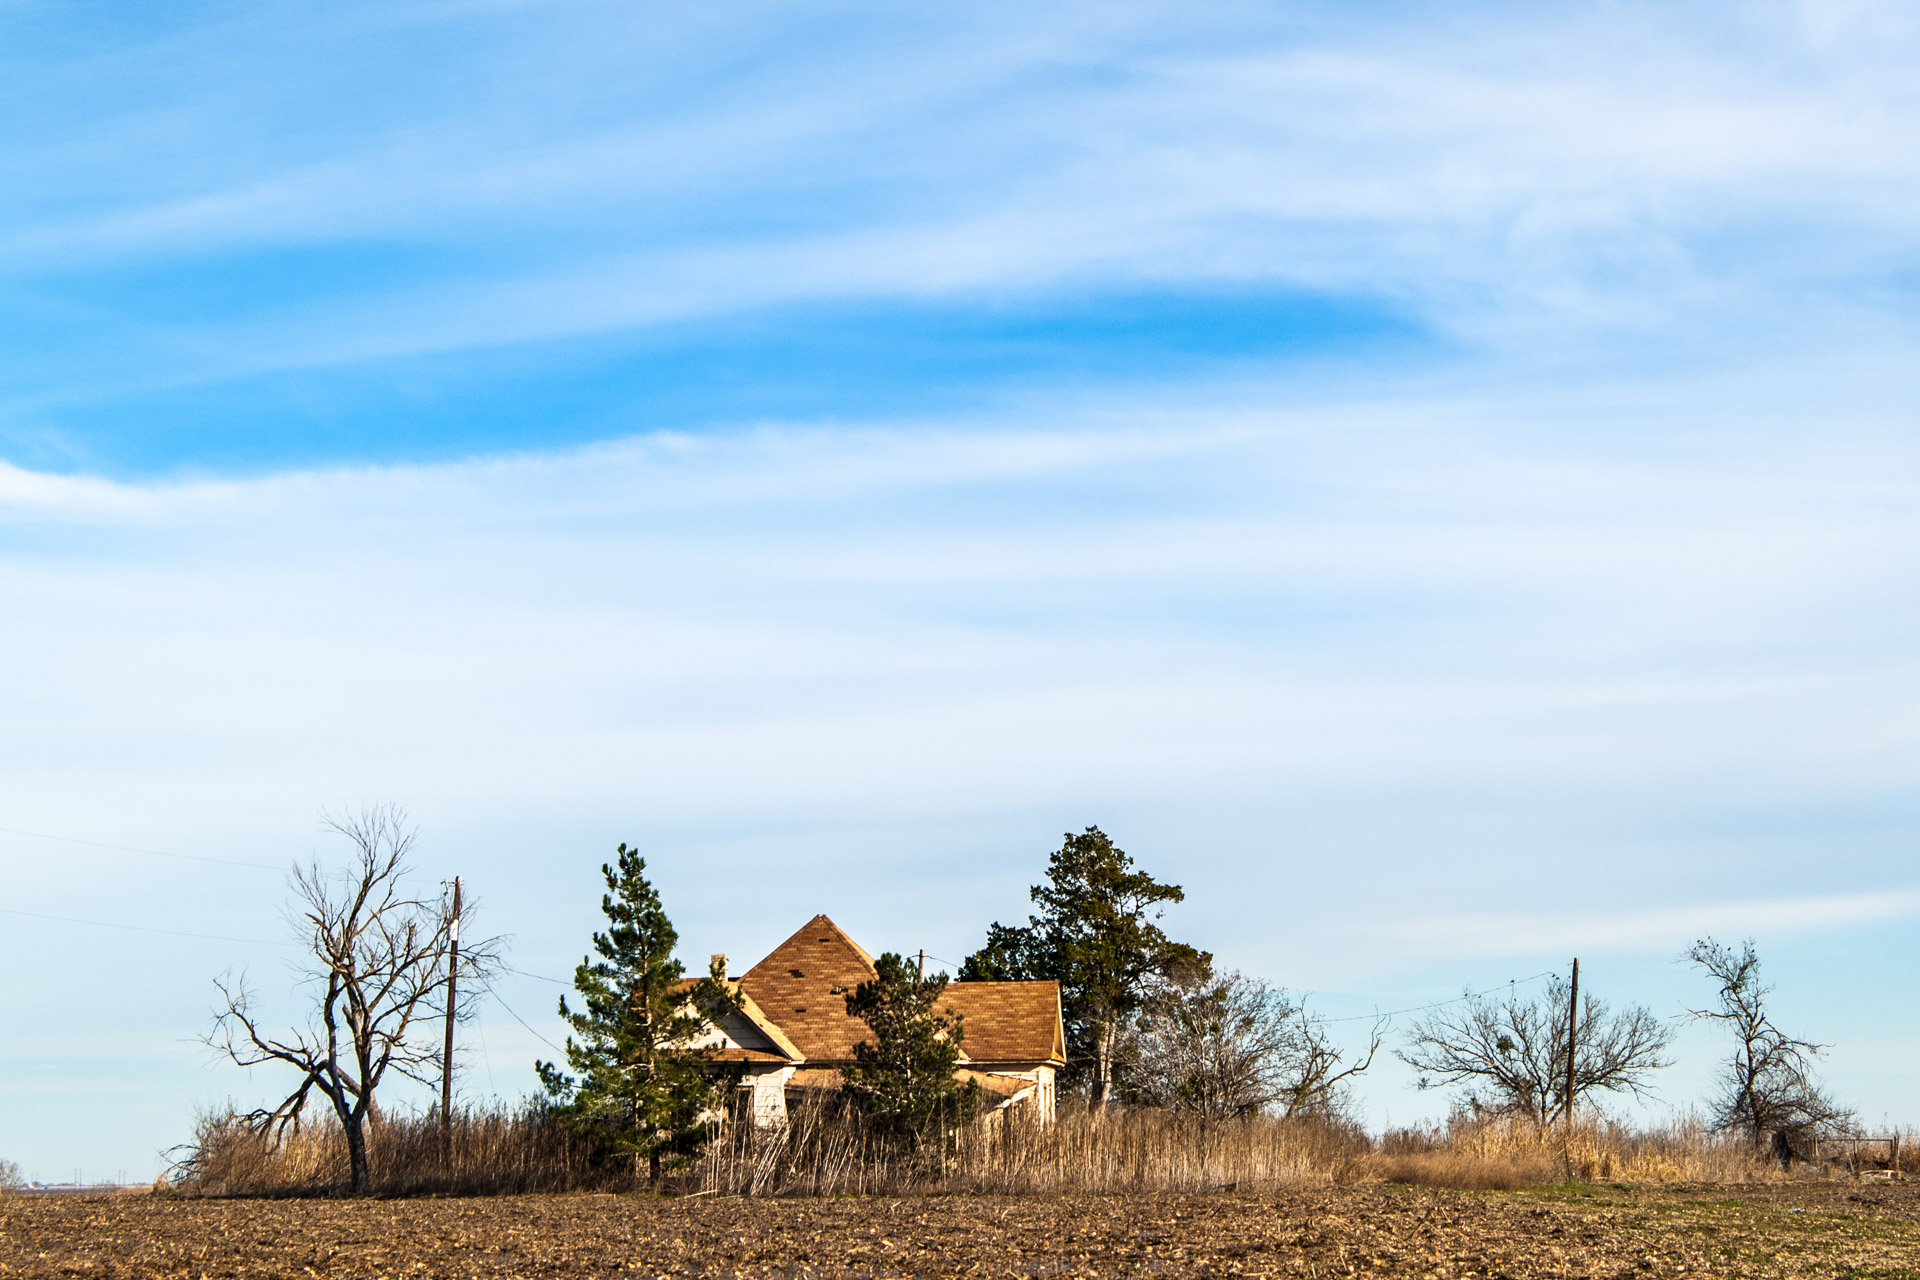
(828, 1150)
(1503, 1153)
(495, 1151)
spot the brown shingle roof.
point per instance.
(802, 988)
(782, 1048)
(737, 1054)
(1008, 1021)
(827, 1079)
(767, 1026)
(998, 1088)
(795, 987)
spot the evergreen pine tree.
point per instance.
(903, 1079)
(644, 1090)
(1096, 934)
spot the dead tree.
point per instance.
(1767, 1084)
(1511, 1053)
(1221, 1045)
(377, 960)
(1316, 1084)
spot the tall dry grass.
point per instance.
(1505, 1153)
(827, 1150)
(496, 1151)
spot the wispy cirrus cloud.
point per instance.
(1698, 182)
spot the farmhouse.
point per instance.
(793, 1034)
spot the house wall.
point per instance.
(1043, 1104)
(764, 1097)
(763, 1092)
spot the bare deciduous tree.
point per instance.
(377, 960)
(1511, 1053)
(1224, 1045)
(1320, 1071)
(1767, 1086)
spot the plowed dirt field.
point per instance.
(1796, 1230)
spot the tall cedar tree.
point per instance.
(644, 1090)
(903, 1079)
(1094, 934)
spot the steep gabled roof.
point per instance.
(784, 1046)
(752, 1036)
(802, 987)
(1008, 1021)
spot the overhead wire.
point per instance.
(561, 982)
(1437, 1004)
(538, 977)
(522, 1021)
(141, 928)
(486, 1057)
(221, 937)
(1391, 1013)
(157, 853)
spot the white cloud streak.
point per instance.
(823, 610)
(1496, 171)
(1380, 655)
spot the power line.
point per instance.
(522, 1021)
(560, 982)
(140, 928)
(127, 848)
(1374, 1017)
(1437, 1004)
(486, 1058)
(539, 977)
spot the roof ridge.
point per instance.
(799, 987)
(865, 955)
(799, 937)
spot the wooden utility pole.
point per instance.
(446, 1058)
(923, 965)
(1573, 1032)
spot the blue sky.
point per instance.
(1440, 484)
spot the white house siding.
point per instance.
(766, 1097)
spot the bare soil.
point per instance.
(1807, 1229)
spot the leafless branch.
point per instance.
(1511, 1052)
(1767, 1084)
(377, 957)
(1221, 1045)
